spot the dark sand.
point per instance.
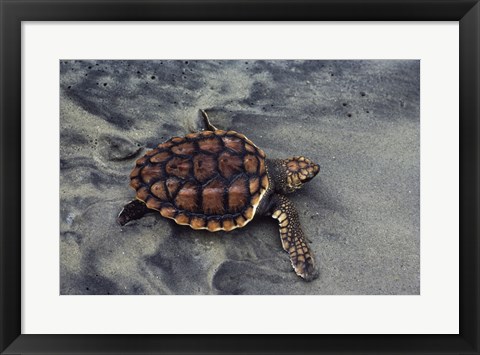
(358, 119)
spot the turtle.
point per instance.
(219, 180)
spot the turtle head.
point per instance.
(290, 174)
(299, 171)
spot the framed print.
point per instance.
(247, 177)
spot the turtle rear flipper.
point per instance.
(293, 239)
(135, 209)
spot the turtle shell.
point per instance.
(207, 180)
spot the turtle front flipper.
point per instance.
(293, 239)
(206, 122)
(135, 209)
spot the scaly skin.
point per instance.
(293, 239)
(277, 205)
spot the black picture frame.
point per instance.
(13, 12)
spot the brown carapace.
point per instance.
(218, 181)
(207, 180)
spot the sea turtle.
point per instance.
(219, 180)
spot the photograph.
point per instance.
(229, 159)
(239, 177)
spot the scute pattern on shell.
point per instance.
(208, 180)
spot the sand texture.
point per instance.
(360, 120)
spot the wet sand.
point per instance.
(358, 119)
